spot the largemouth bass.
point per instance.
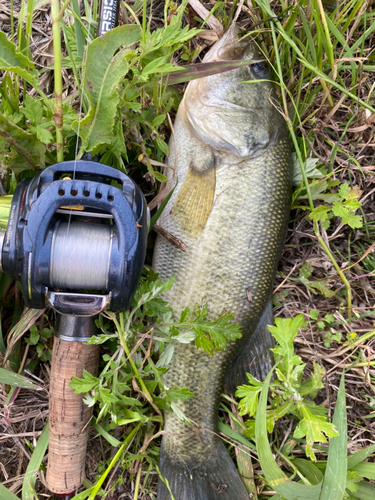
(230, 207)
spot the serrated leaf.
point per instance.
(320, 213)
(249, 401)
(310, 168)
(181, 394)
(285, 331)
(313, 427)
(84, 384)
(102, 72)
(11, 60)
(306, 270)
(42, 134)
(179, 413)
(30, 151)
(185, 337)
(33, 110)
(348, 217)
(166, 356)
(106, 395)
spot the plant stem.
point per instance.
(124, 445)
(337, 267)
(136, 486)
(58, 116)
(121, 331)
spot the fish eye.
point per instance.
(260, 69)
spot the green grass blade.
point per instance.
(80, 39)
(6, 494)
(159, 211)
(10, 378)
(334, 482)
(28, 487)
(273, 474)
(225, 429)
(360, 456)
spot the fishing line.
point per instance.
(79, 114)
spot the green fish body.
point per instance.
(231, 155)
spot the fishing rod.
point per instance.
(77, 243)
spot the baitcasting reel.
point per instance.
(76, 228)
(76, 238)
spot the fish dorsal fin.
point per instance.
(195, 199)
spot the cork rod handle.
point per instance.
(69, 417)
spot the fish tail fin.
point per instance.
(213, 479)
(256, 357)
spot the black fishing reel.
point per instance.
(76, 238)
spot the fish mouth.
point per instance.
(230, 48)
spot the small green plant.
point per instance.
(290, 394)
(41, 339)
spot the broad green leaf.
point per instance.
(6, 494)
(13, 379)
(275, 477)
(102, 73)
(11, 60)
(334, 482)
(29, 150)
(365, 469)
(28, 487)
(365, 491)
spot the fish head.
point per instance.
(235, 112)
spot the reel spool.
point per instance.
(69, 237)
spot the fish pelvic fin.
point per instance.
(256, 357)
(195, 199)
(214, 479)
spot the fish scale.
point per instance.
(234, 255)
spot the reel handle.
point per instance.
(69, 417)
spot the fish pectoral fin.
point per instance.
(195, 199)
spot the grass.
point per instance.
(323, 66)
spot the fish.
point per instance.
(230, 152)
